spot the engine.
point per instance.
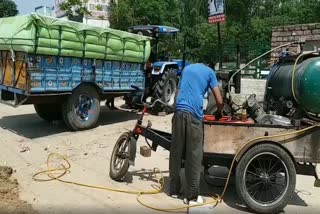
(292, 92)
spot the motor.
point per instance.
(256, 112)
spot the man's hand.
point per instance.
(218, 115)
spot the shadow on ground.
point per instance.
(32, 126)
(209, 188)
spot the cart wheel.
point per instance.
(266, 178)
(119, 163)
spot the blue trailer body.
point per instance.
(63, 74)
(44, 74)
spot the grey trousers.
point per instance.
(187, 144)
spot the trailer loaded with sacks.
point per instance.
(66, 68)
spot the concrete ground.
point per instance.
(26, 141)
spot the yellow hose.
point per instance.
(215, 199)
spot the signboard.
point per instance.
(216, 9)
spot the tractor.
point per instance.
(162, 72)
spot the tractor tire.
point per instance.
(212, 107)
(82, 109)
(49, 111)
(118, 156)
(165, 89)
(258, 178)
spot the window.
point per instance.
(92, 7)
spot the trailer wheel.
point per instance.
(49, 111)
(166, 89)
(266, 178)
(82, 109)
(119, 162)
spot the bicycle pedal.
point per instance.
(317, 183)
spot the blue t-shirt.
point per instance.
(195, 81)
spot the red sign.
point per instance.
(216, 19)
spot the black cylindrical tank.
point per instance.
(305, 85)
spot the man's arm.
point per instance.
(214, 85)
(217, 95)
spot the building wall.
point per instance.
(310, 33)
(44, 10)
(59, 13)
(251, 86)
(97, 22)
(95, 13)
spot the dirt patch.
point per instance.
(9, 194)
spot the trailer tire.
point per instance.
(165, 89)
(265, 181)
(119, 174)
(49, 111)
(82, 109)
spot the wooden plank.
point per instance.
(228, 139)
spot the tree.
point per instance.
(75, 9)
(124, 13)
(121, 15)
(249, 22)
(8, 8)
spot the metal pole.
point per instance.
(238, 56)
(219, 46)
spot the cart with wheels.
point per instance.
(264, 158)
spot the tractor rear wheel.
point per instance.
(212, 107)
(165, 89)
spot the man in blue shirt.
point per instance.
(187, 127)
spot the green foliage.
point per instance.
(8, 8)
(75, 8)
(249, 22)
(121, 15)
